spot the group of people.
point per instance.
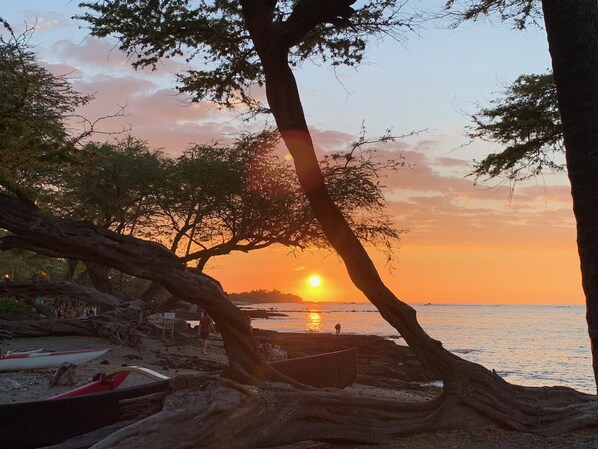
(70, 312)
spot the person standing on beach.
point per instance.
(206, 326)
(337, 327)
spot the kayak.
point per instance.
(19, 361)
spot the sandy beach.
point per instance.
(171, 358)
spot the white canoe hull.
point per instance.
(47, 360)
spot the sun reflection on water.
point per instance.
(313, 321)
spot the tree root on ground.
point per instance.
(211, 412)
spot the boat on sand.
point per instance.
(32, 360)
(29, 425)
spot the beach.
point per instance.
(379, 375)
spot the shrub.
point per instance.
(14, 308)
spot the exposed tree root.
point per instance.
(208, 412)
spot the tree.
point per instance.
(572, 31)
(112, 185)
(35, 110)
(243, 197)
(526, 121)
(259, 41)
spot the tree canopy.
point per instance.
(526, 122)
(216, 36)
(36, 112)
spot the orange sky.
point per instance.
(422, 274)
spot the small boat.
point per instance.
(106, 382)
(29, 425)
(332, 369)
(32, 360)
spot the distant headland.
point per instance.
(264, 296)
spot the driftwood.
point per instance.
(69, 289)
(124, 326)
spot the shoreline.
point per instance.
(381, 363)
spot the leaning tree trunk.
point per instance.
(572, 29)
(468, 383)
(482, 398)
(83, 241)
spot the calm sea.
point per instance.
(528, 345)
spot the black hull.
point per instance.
(28, 425)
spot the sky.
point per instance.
(465, 242)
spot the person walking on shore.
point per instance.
(206, 326)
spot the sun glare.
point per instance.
(314, 281)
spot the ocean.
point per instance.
(526, 345)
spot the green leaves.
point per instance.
(213, 37)
(526, 121)
(34, 109)
(520, 12)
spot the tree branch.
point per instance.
(308, 14)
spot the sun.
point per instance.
(314, 281)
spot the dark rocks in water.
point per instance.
(260, 313)
(381, 362)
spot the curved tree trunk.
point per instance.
(572, 29)
(285, 104)
(100, 279)
(472, 394)
(84, 241)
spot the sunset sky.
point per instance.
(466, 243)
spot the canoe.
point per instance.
(18, 361)
(106, 382)
(332, 369)
(29, 425)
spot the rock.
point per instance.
(9, 384)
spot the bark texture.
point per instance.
(572, 29)
(193, 414)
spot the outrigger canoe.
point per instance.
(19, 361)
(29, 425)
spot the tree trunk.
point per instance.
(84, 241)
(33, 289)
(572, 29)
(100, 279)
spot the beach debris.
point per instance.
(65, 375)
(9, 384)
